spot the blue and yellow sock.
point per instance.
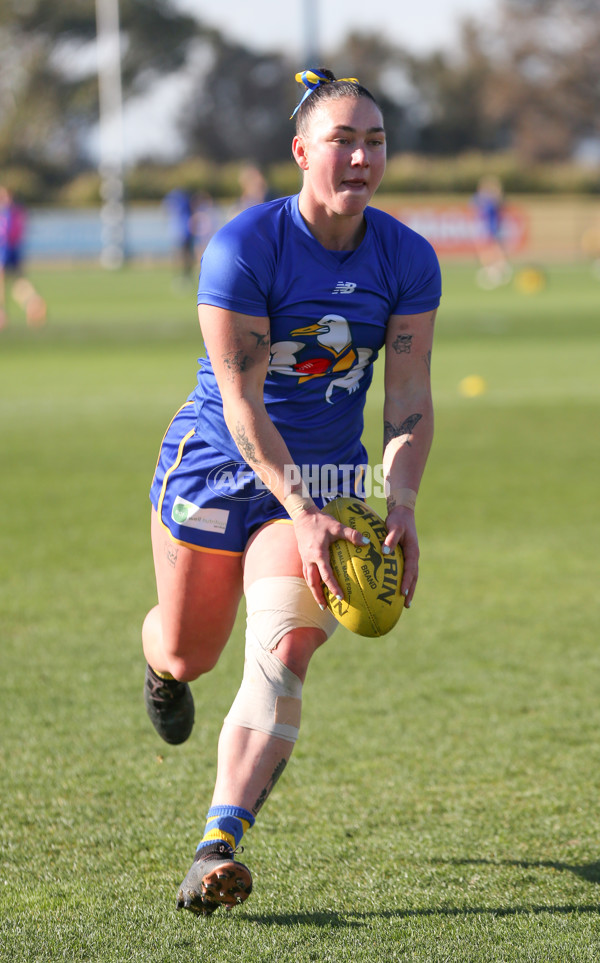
(226, 823)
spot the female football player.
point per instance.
(296, 298)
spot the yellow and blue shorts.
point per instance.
(211, 502)
(206, 500)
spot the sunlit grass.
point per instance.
(441, 804)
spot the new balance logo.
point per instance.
(344, 287)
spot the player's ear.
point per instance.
(300, 153)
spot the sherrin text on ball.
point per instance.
(370, 581)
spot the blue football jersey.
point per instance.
(328, 312)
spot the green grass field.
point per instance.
(442, 802)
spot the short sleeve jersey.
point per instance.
(328, 313)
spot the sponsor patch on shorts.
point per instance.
(207, 519)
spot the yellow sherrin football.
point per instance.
(370, 581)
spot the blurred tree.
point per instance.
(526, 79)
(452, 87)
(48, 84)
(545, 87)
(240, 106)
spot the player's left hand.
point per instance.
(402, 531)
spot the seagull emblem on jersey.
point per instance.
(331, 333)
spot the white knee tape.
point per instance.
(279, 604)
(270, 696)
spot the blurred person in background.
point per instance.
(12, 235)
(488, 202)
(254, 189)
(178, 204)
(206, 219)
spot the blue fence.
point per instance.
(63, 234)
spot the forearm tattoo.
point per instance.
(402, 344)
(269, 787)
(246, 446)
(396, 431)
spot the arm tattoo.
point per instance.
(396, 431)
(391, 503)
(427, 360)
(402, 344)
(237, 361)
(247, 448)
(268, 788)
(262, 340)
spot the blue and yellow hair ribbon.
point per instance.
(312, 79)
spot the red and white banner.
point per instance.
(456, 228)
